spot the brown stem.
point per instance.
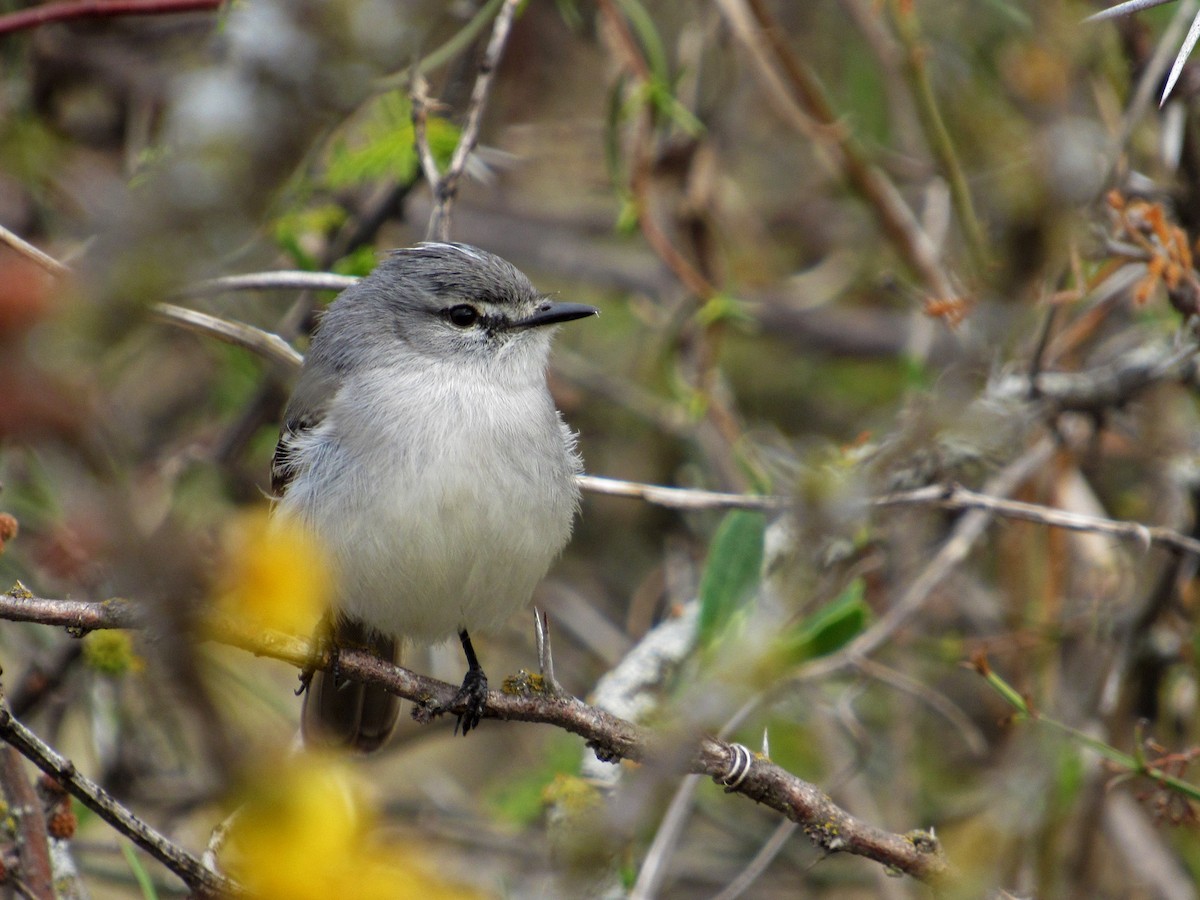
(95, 9)
(25, 807)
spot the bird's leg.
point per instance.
(473, 691)
(322, 641)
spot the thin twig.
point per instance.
(641, 168)
(935, 700)
(762, 859)
(955, 496)
(269, 346)
(419, 104)
(94, 9)
(829, 826)
(908, 30)
(802, 99)
(95, 798)
(969, 529)
(32, 253)
(446, 187)
(282, 280)
(666, 838)
(679, 498)
(1149, 80)
(442, 54)
(1104, 387)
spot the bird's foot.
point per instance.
(322, 643)
(473, 694)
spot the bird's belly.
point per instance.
(424, 560)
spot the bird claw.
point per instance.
(473, 694)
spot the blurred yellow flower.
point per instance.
(275, 574)
(305, 832)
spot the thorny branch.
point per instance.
(827, 825)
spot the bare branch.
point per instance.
(267, 345)
(283, 280)
(951, 554)
(762, 860)
(95, 798)
(801, 99)
(678, 498)
(419, 103)
(613, 738)
(96, 9)
(1105, 387)
(445, 189)
(955, 496)
(32, 253)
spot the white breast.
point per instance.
(442, 500)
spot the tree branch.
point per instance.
(267, 345)
(96, 9)
(740, 771)
(955, 496)
(445, 188)
(188, 867)
(29, 823)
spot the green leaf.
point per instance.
(647, 35)
(733, 570)
(829, 628)
(360, 262)
(383, 146)
(723, 308)
(139, 872)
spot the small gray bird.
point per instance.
(422, 447)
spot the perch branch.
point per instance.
(827, 825)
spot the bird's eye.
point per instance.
(463, 315)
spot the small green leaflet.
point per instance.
(829, 628)
(733, 570)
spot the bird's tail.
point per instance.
(339, 712)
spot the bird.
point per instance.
(422, 449)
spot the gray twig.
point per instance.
(269, 346)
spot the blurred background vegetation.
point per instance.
(832, 243)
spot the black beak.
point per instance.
(551, 313)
